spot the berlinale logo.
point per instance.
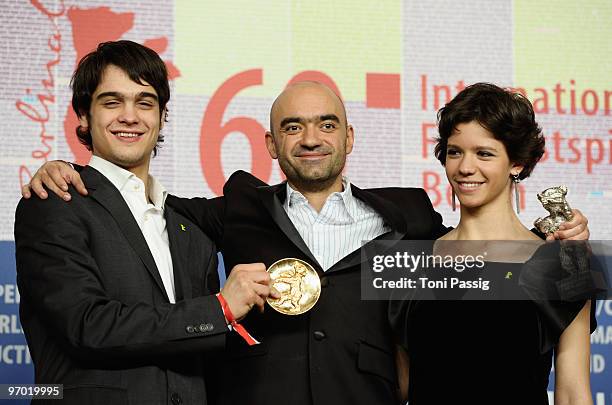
(89, 27)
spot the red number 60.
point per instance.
(212, 132)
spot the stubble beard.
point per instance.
(312, 179)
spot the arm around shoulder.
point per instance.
(206, 213)
(438, 228)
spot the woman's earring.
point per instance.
(516, 181)
(454, 204)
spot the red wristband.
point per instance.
(232, 321)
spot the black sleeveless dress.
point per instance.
(486, 352)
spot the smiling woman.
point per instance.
(489, 139)
(477, 166)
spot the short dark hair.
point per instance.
(507, 115)
(137, 61)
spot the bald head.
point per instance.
(310, 137)
(306, 92)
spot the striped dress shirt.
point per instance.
(339, 229)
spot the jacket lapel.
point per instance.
(273, 198)
(392, 217)
(103, 191)
(179, 236)
(389, 211)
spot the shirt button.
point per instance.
(319, 335)
(324, 282)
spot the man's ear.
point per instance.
(271, 145)
(350, 138)
(83, 121)
(162, 119)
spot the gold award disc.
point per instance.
(297, 282)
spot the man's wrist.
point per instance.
(224, 305)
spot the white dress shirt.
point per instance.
(339, 229)
(149, 216)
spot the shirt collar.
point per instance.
(120, 178)
(346, 195)
(157, 193)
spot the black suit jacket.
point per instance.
(93, 307)
(340, 352)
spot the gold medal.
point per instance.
(298, 284)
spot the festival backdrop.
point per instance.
(394, 64)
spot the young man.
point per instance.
(341, 351)
(117, 288)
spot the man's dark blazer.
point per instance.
(93, 306)
(340, 352)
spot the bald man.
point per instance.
(341, 351)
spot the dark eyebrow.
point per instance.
(479, 147)
(301, 120)
(115, 94)
(329, 117)
(146, 94)
(109, 94)
(289, 120)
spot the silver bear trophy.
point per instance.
(553, 200)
